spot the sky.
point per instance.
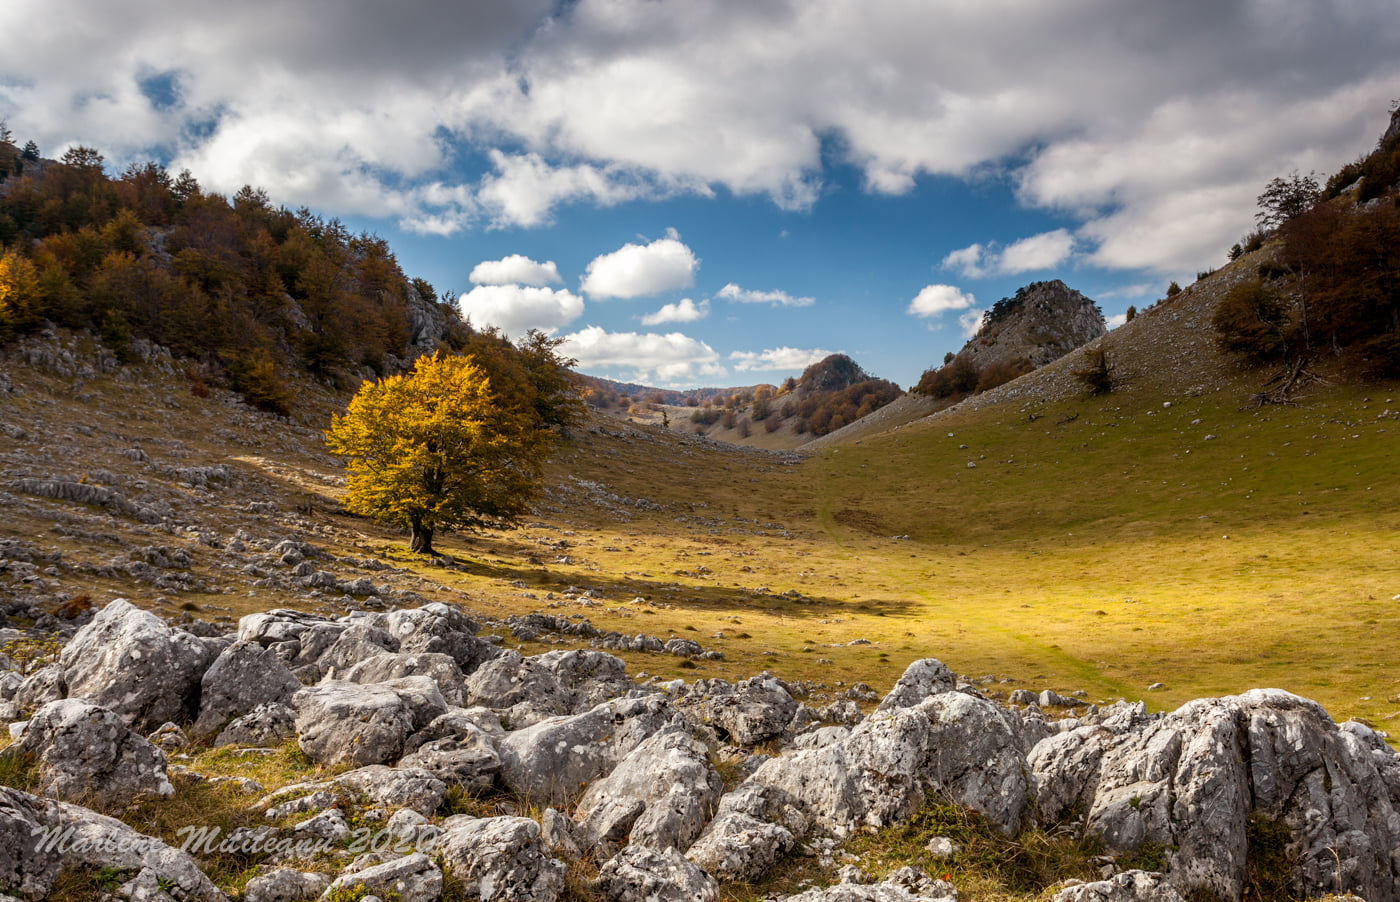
(721, 192)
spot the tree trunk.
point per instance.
(422, 539)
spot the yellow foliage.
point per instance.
(438, 449)
(19, 290)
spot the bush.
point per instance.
(1095, 375)
(255, 378)
(1252, 321)
(1002, 373)
(957, 378)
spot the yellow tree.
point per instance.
(437, 449)
(19, 290)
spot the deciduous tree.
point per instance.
(440, 449)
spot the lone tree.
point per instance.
(440, 449)
(1285, 199)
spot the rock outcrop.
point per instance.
(1041, 323)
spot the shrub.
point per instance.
(1095, 375)
(956, 378)
(1001, 373)
(1252, 321)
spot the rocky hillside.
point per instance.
(1041, 323)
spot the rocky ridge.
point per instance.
(1041, 324)
(625, 773)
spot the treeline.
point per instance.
(243, 290)
(1333, 285)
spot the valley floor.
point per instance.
(1119, 547)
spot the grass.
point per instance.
(1145, 571)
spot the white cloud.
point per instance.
(1136, 290)
(637, 270)
(683, 311)
(967, 261)
(734, 293)
(777, 359)
(970, 322)
(934, 300)
(1113, 322)
(672, 357)
(1155, 124)
(515, 269)
(515, 309)
(526, 188)
(1044, 251)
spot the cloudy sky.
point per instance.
(713, 192)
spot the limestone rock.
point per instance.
(641, 874)
(441, 668)
(1191, 781)
(339, 722)
(30, 860)
(962, 747)
(500, 858)
(1126, 887)
(738, 846)
(550, 761)
(285, 885)
(243, 676)
(1041, 323)
(1129, 886)
(396, 787)
(455, 749)
(129, 661)
(746, 713)
(559, 682)
(266, 726)
(660, 795)
(86, 752)
(920, 680)
(409, 878)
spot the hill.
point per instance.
(1039, 324)
(830, 394)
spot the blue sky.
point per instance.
(718, 192)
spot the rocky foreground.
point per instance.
(401, 706)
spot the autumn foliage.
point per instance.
(440, 449)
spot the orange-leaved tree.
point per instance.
(439, 449)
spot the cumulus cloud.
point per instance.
(683, 311)
(967, 260)
(1044, 251)
(672, 357)
(642, 270)
(516, 269)
(777, 359)
(734, 293)
(970, 322)
(515, 309)
(1084, 105)
(1113, 322)
(934, 300)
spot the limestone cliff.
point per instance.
(1041, 323)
